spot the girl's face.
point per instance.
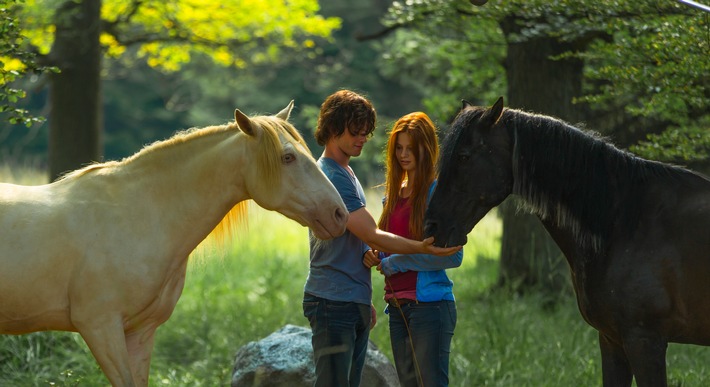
(404, 151)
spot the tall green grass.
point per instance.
(256, 287)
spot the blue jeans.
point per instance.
(340, 335)
(431, 328)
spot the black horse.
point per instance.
(636, 233)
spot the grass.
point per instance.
(256, 287)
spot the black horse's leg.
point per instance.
(647, 357)
(616, 371)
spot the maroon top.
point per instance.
(403, 284)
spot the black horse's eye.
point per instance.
(288, 158)
(464, 156)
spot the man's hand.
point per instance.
(429, 248)
(370, 258)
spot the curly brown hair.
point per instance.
(345, 109)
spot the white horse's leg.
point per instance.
(106, 340)
(140, 348)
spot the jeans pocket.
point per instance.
(310, 309)
(453, 314)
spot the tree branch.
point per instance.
(387, 30)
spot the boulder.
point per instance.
(285, 358)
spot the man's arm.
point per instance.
(363, 225)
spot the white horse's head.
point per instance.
(284, 176)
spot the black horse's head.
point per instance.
(475, 174)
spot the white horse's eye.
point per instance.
(288, 158)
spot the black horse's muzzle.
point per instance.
(444, 237)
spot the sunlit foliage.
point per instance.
(646, 58)
(168, 33)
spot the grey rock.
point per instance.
(285, 358)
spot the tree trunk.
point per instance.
(75, 93)
(536, 83)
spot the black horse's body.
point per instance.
(636, 233)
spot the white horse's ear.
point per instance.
(286, 112)
(243, 122)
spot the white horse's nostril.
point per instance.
(340, 215)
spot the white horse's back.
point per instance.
(96, 236)
(32, 285)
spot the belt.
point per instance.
(399, 302)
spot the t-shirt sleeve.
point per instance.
(348, 191)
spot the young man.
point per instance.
(338, 291)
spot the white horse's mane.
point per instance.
(267, 155)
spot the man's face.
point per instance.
(352, 145)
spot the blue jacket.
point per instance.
(432, 282)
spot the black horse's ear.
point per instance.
(499, 103)
(492, 115)
(465, 104)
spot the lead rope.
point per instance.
(409, 332)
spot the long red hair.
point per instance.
(426, 152)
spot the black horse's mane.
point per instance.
(579, 180)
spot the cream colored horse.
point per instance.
(104, 250)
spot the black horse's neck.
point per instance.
(576, 180)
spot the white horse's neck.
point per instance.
(184, 189)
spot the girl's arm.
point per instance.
(398, 263)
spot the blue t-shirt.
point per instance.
(337, 272)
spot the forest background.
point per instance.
(114, 76)
(635, 71)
